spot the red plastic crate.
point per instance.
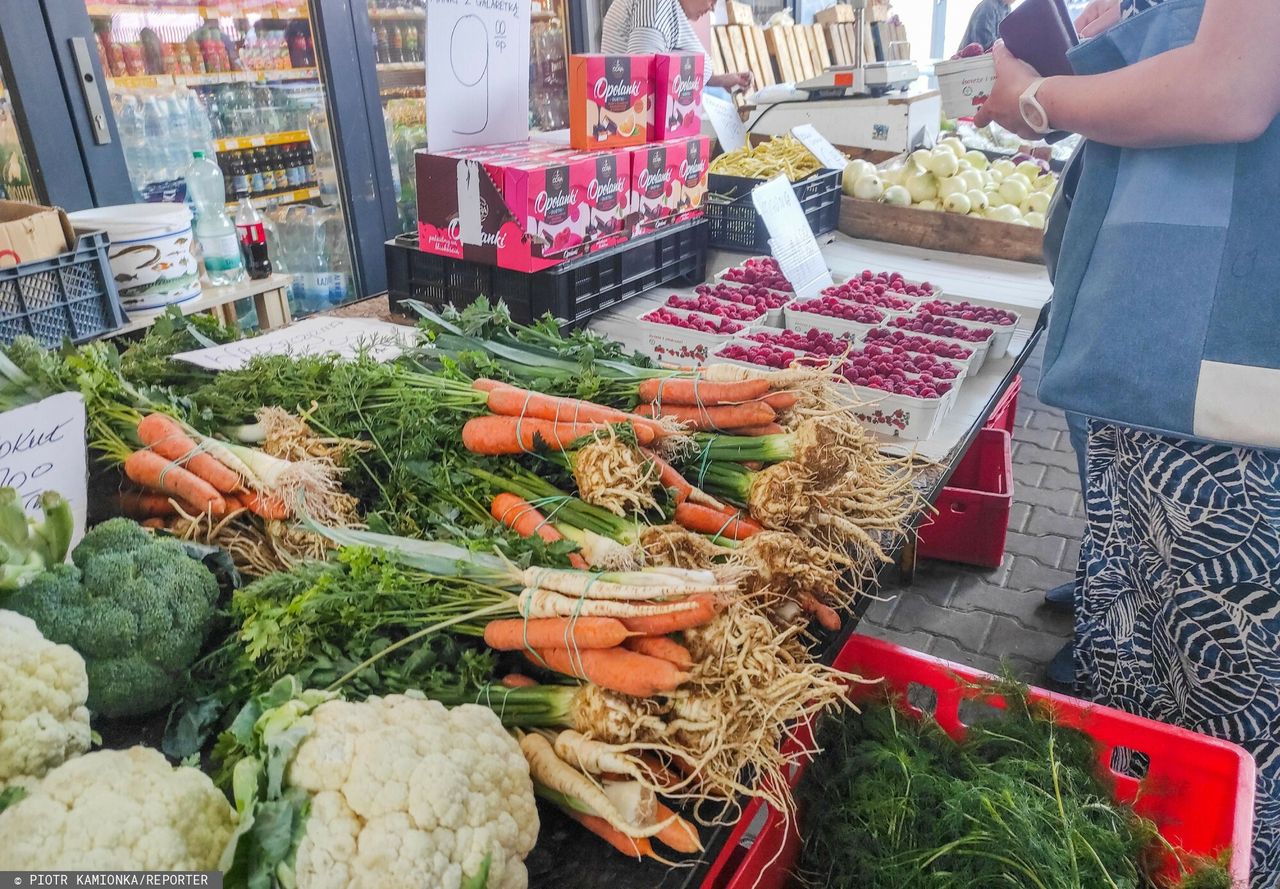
(973, 509)
(1198, 790)
(1005, 414)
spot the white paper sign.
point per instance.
(791, 238)
(731, 132)
(314, 336)
(477, 56)
(827, 154)
(42, 448)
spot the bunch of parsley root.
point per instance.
(894, 803)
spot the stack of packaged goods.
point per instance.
(635, 163)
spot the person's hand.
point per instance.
(740, 80)
(1013, 76)
(1097, 17)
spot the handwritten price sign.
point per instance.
(791, 238)
(42, 448)
(477, 56)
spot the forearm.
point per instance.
(1175, 98)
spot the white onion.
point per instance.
(1036, 202)
(898, 196)
(1030, 169)
(943, 163)
(951, 185)
(957, 203)
(956, 146)
(1013, 191)
(869, 188)
(977, 200)
(1004, 213)
(1034, 219)
(921, 186)
(927, 205)
(978, 159)
(854, 171)
(1004, 167)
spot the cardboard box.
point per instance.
(677, 82)
(691, 174)
(653, 185)
(608, 194)
(610, 101)
(29, 233)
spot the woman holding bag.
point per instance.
(1165, 328)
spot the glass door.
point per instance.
(16, 183)
(241, 81)
(397, 37)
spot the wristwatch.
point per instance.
(1033, 113)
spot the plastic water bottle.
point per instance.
(215, 232)
(201, 123)
(137, 153)
(155, 126)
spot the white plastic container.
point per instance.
(801, 321)
(774, 318)
(965, 84)
(1003, 333)
(976, 360)
(150, 252)
(669, 344)
(968, 366)
(901, 416)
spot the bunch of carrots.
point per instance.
(173, 472)
(744, 407)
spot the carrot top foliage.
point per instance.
(895, 803)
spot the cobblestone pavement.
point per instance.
(978, 616)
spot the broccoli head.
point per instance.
(137, 609)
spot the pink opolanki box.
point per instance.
(677, 84)
(522, 206)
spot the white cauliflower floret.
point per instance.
(117, 810)
(43, 687)
(407, 793)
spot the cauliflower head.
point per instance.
(117, 810)
(43, 687)
(403, 793)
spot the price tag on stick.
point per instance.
(827, 154)
(731, 132)
(477, 54)
(791, 238)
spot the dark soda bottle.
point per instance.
(253, 239)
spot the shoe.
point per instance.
(1062, 668)
(1062, 597)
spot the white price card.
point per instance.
(791, 238)
(344, 337)
(731, 132)
(827, 154)
(42, 449)
(477, 56)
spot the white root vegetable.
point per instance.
(622, 587)
(535, 603)
(636, 803)
(596, 757)
(549, 770)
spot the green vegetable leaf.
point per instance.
(11, 795)
(480, 879)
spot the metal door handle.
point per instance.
(91, 90)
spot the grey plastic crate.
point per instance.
(71, 296)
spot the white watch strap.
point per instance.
(1028, 102)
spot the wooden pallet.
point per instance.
(742, 48)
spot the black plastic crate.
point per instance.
(71, 296)
(734, 224)
(572, 292)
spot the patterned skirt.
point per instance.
(1178, 613)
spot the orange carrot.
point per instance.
(508, 401)
(526, 520)
(636, 848)
(659, 773)
(670, 477)
(494, 436)
(736, 416)
(781, 401)
(150, 470)
(826, 615)
(699, 391)
(517, 680)
(616, 669)
(162, 434)
(487, 385)
(756, 431)
(155, 523)
(662, 624)
(266, 506)
(731, 524)
(555, 632)
(679, 834)
(661, 647)
(145, 505)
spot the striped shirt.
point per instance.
(640, 27)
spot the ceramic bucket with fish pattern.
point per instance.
(151, 252)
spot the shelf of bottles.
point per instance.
(238, 80)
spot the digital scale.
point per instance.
(870, 79)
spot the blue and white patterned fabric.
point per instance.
(1166, 302)
(1178, 600)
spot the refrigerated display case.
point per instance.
(397, 37)
(241, 81)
